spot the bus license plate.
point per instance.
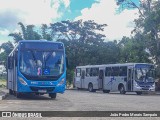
(42, 91)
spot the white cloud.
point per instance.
(4, 32)
(35, 11)
(104, 12)
(66, 3)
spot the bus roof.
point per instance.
(112, 65)
(32, 41)
(42, 40)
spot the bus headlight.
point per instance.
(153, 85)
(22, 81)
(136, 85)
(61, 82)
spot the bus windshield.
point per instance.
(36, 64)
(145, 73)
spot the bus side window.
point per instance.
(95, 71)
(87, 72)
(101, 74)
(108, 71)
(115, 71)
(78, 72)
(91, 69)
(83, 74)
(123, 71)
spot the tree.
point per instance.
(80, 39)
(133, 50)
(7, 47)
(46, 32)
(31, 34)
(28, 33)
(16, 36)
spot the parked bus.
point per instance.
(128, 77)
(37, 66)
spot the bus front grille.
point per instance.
(36, 89)
(145, 86)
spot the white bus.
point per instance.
(127, 77)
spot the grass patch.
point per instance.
(3, 81)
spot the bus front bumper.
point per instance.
(42, 89)
(143, 89)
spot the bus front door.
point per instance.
(82, 79)
(100, 79)
(129, 81)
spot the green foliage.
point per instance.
(81, 41)
(3, 81)
(70, 76)
(7, 47)
(29, 32)
(133, 50)
(46, 32)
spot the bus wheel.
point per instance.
(18, 95)
(139, 93)
(90, 88)
(106, 91)
(53, 95)
(122, 89)
(10, 92)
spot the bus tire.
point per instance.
(18, 95)
(122, 89)
(139, 93)
(106, 91)
(94, 90)
(10, 92)
(53, 95)
(90, 88)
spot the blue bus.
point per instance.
(37, 66)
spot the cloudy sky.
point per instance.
(49, 11)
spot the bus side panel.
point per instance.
(93, 80)
(115, 83)
(107, 83)
(15, 79)
(78, 82)
(10, 79)
(86, 82)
